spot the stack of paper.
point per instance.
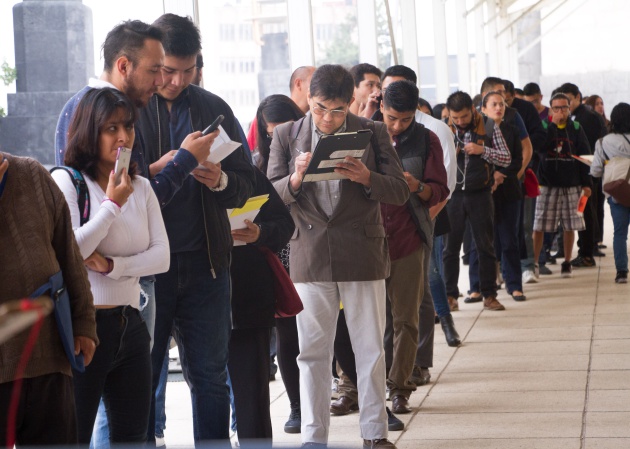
(248, 212)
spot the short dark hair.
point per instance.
(127, 39)
(458, 101)
(570, 88)
(91, 114)
(426, 104)
(620, 119)
(519, 91)
(358, 72)
(509, 86)
(559, 96)
(199, 62)
(531, 89)
(489, 83)
(332, 82)
(437, 110)
(181, 36)
(273, 109)
(401, 96)
(401, 70)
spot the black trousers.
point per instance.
(288, 348)
(587, 238)
(249, 371)
(45, 415)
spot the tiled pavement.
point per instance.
(550, 372)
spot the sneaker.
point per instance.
(491, 303)
(544, 271)
(294, 423)
(551, 260)
(582, 262)
(529, 277)
(565, 271)
(420, 376)
(622, 277)
(160, 443)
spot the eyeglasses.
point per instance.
(335, 113)
(559, 108)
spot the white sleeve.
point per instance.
(157, 258)
(90, 235)
(597, 166)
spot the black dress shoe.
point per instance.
(448, 326)
(343, 406)
(471, 299)
(294, 423)
(393, 423)
(400, 405)
(598, 253)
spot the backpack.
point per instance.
(83, 195)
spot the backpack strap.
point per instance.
(369, 124)
(83, 195)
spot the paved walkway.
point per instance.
(550, 372)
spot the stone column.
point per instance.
(54, 56)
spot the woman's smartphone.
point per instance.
(213, 126)
(122, 161)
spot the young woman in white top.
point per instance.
(124, 239)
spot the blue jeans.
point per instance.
(436, 281)
(100, 435)
(196, 307)
(120, 372)
(621, 218)
(160, 397)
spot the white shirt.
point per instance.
(445, 135)
(134, 237)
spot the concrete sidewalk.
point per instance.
(550, 372)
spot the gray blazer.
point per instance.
(351, 245)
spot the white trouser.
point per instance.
(364, 308)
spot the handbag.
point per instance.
(532, 188)
(56, 289)
(616, 176)
(288, 302)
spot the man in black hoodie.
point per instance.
(562, 179)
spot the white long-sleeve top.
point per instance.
(134, 237)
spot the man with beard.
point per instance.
(477, 152)
(193, 297)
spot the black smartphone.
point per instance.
(213, 126)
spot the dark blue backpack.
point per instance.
(83, 195)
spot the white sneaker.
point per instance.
(159, 442)
(529, 277)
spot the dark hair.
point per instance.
(181, 36)
(484, 100)
(620, 119)
(591, 100)
(489, 83)
(92, 112)
(127, 39)
(518, 91)
(273, 109)
(425, 103)
(437, 110)
(332, 82)
(300, 73)
(458, 101)
(531, 89)
(476, 101)
(559, 96)
(569, 88)
(199, 62)
(358, 72)
(509, 86)
(401, 70)
(401, 96)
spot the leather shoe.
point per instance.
(343, 406)
(420, 376)
(382, 443)
(453, 304)
(491, 303)
(393, 423)
(400, 405)
(472, 299)
(448, 326)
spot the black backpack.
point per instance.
(83, 195)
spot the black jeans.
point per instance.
(121, 373)
(288, 349)
(478, 209)
(45, 412)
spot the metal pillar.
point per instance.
(441, 51)
(463, 59)
(366, 18)
(300, 22)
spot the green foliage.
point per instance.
(9, 74)
(2, 113)
(343, 49)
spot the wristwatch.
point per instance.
(420, 188)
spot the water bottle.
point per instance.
(582, 205)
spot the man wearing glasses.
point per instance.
(562, 179)
(339, 251)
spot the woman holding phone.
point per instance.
(123, 240)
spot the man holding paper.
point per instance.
(193, 297)
(339, 251)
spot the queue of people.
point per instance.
(373, 252)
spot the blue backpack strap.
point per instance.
(83, 195)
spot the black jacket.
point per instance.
(253, 299)
(592, 123)
(204, 108)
